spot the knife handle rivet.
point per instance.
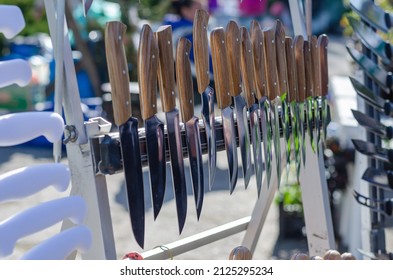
(222, 42)
(204, 27)
(228, 94)
(240, 85)
(186, 53)
(237, 39)
(260, 43)
(190, 101)
(275, 83)
(154, 105)
(119, 37)
(249, 51)
(153, 56)
(272, 41)
(173, 93)
(169, 42)
(207, 72)
(124, 72)
(282, 42)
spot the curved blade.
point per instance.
(208, 117)
(266, 136)
(372, 125)
(371, 150)
(196, 164)
(230, 145)
(244, 137)
(129, 140)
(256, 145)
(378, 177)
(155, 147)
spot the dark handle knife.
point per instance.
(128, 126)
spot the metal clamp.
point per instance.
(70, 133)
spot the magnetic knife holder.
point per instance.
(107, 157)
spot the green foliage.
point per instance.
(153, 10)
(290, 195)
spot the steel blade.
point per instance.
(264, 108)
(310, 117)
(302, 118)
(275, 120)
(230, 145)
(296, 133)
(372, 125)
(177, 165)
(129, 141)
(367, 94)
(208, 117)
(324, 116)
(196, 164)
(285, 113)
(369, 149)
(155, 148)
(378, 177)
(244, 137)
(256, 145)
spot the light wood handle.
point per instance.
(220, 67)
(118, 71)
(270, 63)
(166, 67)
(201, 49)
(298, 44)
(259, 59)
(147, 72)
(316, 64)
(322, 43)
(308, 68)
(246, 58)
(281, 58)
(291, 69)
(232, 38)
(184, 79)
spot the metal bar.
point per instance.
(179, 247)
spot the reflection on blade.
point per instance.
(275, 120)
(286, 130)
(296, 133)
(230, 145)
(244, 137)
(155, 147)
(196, 165)
(209, 121)
(369, 149)
(302, 120)
(256, 145)
(310, 118)
(264, 107)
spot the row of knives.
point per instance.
(268, 86)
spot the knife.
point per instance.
(128, 129)
(282, 70)
(232, 40)
(316, 86)
(292, 100)
(273, 93)
(261, 94)
(374, 100)
(166, 82)
(154, 128)
(186, 97)
(379, 177)
(371, 150)
(322, 45)
(372, 125)
(247, 69)
(201, 57)
(298, 44)
(310, 102)
(221, 74)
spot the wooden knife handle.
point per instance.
(291, 69)
(220, 67)
(322, 43)
(118, 71)
(166, 67)
(308, 68)
(316, 64)
(232, 39)
(201, 49)
(270, 63)
(298, 44)
(184, 79)
(259, 59)
(246, 58)
(147, 72)
(281, 58)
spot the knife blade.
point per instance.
(261, 94)
(166, 82)
(232, 39)
(282, 70)
(371, 150)
(221, 74)
(379, 177)
(316, 86)
(273, 93)
(301, 96)
(246, 57)
(201, 57)
(380, 104)
(186, 97)
(154, 127)
(292, 100)
(322, 46)
(372, 125)
(128, 128)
